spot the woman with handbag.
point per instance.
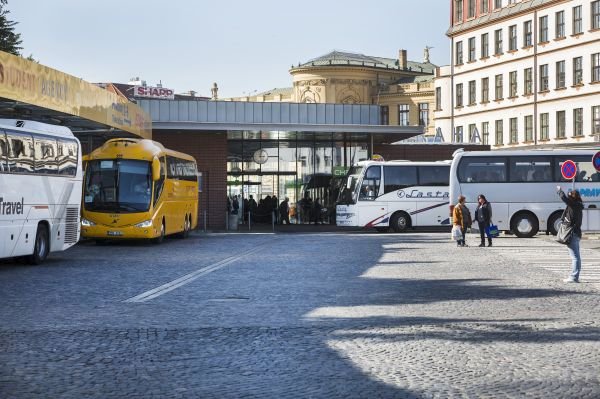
(572, 218)
(483, 215)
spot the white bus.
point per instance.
(521, 186)
(40, 189)
(396, 194)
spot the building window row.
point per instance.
(527, 37)
(560, 81)
(527, 132)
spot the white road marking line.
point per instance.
(188, 278)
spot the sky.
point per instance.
(244, 46)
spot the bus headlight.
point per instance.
(87, 223)
(144, 224)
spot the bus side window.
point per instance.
(3, 152)
(20, 153)
(45, 156)
(399, 177)
(159, 184)
(67, 157)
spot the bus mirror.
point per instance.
(155, 169)
(348, 183)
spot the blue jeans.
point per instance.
(573, 247)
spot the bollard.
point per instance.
(205, 221)
(249, 221)
(226, 221)
(273, 220)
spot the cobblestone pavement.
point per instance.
(353, 315)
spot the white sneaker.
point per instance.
(570, 280)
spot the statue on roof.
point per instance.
(426, 54)
(214, 91)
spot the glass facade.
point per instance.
(267, 164)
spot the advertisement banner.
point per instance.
(32, 83)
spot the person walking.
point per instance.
(459, 220)
(573, 216)
(317, 211)
(284, 211)
(483, 215)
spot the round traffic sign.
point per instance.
(568, 170)
(596, 161)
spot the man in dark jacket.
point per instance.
(573, 216)
(483, 215)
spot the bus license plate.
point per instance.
(114, 233)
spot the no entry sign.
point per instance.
(568, 170)
(596, 161)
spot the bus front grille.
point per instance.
(71, 225)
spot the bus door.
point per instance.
(370, 210)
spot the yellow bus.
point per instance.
(137, 189)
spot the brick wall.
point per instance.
(210, 151)
(423, 152)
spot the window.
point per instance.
(20, 152)
(543, 29)
(577, 22)
(528, 81)
(3, 152)
(434, 175)
(528, 170)
(512, 37)
(512, 81)
(497, 4)
(458, 11)
(68, 151)
(499, 94)
(483, 6)
(403, 113)
(577, 71)
(471, 9)
(560, 25)
(529, 128)
(369, 189)
(514, 133)
(595, 18)
(423, 114)
(560, 75)
(499, 132)
(485, 132)
(485, 90)
(560, 125)
(596, 120)
(399, 177)
(578, 122)
(438, 99)
(458, 134)
(585, 168)
(545, 126)
(596, 67)
(45, 153)
(459, 53)
(459, 95)
(472, 49)
(498, 42)
(181, 169)
(482, 170)
(527, 36)
(543, 77)
(385, 115)
(472, 94)
(485, 46)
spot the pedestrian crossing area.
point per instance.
(543, 252)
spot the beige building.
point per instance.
(404, 89)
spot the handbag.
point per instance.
(492, 231)
(564, 233)
(456, 233)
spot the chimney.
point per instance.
(402, 63)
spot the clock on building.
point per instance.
(260, 156)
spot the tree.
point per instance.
(9, 40)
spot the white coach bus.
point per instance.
(396, 194)
(521, 186)
(40, 189)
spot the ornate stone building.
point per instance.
(404, 89)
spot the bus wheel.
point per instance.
(525, 225)
(41, 246)
(161, 237)
(186, 227)
(553, 223)
(400, 222)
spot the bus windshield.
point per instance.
(348, 189)
(117, 185)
